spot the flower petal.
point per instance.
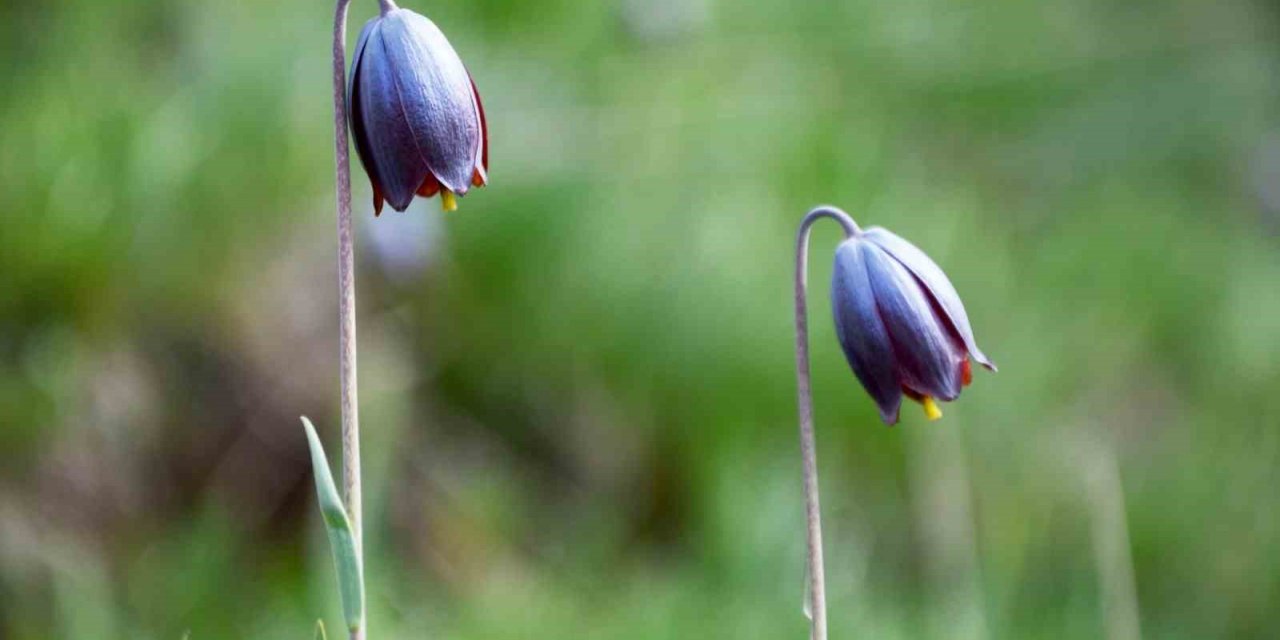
(436, 95)
(355, 60)
(927, 358)
(862, 333)
(355, 118)
(392, 148)
(935, 281)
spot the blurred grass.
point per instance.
(578, 394)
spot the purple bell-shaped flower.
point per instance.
(416, 117)
(901, 323)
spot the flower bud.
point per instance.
(900, 323)
(415, 114)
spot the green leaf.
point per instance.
(320, 634)
(346, 558)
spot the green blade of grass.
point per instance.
(346, 558)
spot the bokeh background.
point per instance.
(577, 391)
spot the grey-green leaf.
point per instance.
(346, 557)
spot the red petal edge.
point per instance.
(482, 170)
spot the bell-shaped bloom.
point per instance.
(415, 114)
(901, 323)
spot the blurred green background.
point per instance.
(577, 391)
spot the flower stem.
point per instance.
(808, 447)
(346, 292)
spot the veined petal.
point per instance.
(935, 282)
(436, 97)
(393, 150)
(355, 60)
(862, 333)
(927, 358)
(355, 117)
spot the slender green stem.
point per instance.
(808, 447)
(346, 291)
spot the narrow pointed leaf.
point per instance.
(346, 557)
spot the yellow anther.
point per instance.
(448, 201)
(931, 410)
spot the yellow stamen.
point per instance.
(447, 200)
(931, 410)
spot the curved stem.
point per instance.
(346, 291)
(387, 6)
(808, 447)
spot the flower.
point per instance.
(416, 117)
(901, 323)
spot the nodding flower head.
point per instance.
(901, 323)
(415, 114)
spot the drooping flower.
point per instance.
(901, 323)
(415, 113)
